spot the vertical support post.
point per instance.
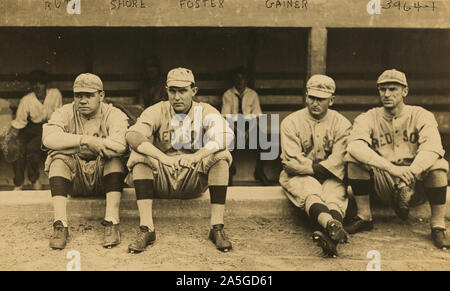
(317, 51)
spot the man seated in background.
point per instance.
(240, 99)
(86, 139)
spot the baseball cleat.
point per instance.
(217, 236)
(111, 236)
(336, 231)
(327, 245)
(144, 238)
(401, 202)
(60, 236)
(356, 224)
(439, 238)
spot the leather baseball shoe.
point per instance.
(439, 238)
(327, 245)
(60, 236)
(217, 236)
(111, 236)
(144, 238)
(336, 231)
(356, 224)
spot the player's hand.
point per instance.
(171, 161)
(189, 160)
(404, 173)
(95, 144)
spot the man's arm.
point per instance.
(292, 156)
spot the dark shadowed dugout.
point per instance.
(281, 45)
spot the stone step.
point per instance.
(241, 202)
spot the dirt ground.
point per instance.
(182, 244)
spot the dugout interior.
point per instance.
(280, 60)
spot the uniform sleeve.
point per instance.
(292, 155)
(22, 114)
(335, 161)
(117, 127)
(362, 128)
(227, 103)
(54, 102)
(149, 121)
(429, 137)
(58, 123)
(216, 129)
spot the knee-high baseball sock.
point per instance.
(144, 195)
(336, 215)
(437, 200)
(363, 203)
(60, 209)
(218, 196)
(361, 190)
(317, 210)
(145, 207)
(60, 187)
(112, 206)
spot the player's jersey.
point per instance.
(182, 133)
(111, 123)
(321, 141)
(398, 138)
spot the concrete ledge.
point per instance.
(241, 202)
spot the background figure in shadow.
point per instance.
(153, 87)
(33, 111)
(240, 99)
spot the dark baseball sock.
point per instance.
(113, 182)
(360, 187)
(336, 215)
(144, 189)
(218, 194)
(316, 209)
(60, 186)
(436, 196)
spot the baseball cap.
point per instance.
(180, 77)
(87, 82)
(320, 86)
(392, 76)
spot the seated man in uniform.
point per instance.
(395, 154)
(179, 149)
(313, 143)
(86, 139)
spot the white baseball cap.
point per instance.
(87, 82)
(180, 77)
(320, 86)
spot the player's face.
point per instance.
(240, 82)
(318, 107)
(180, 98)
(392, 94)
(39, 89)
(88, 103)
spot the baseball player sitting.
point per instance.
(86, 139)
(313, 142)
(179, 149)
(395, 154)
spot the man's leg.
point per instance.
(113, 176)
(435, 184)
(359, 180)
(217, 182)
(143, 184)
(60, 186)
(34, 160)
